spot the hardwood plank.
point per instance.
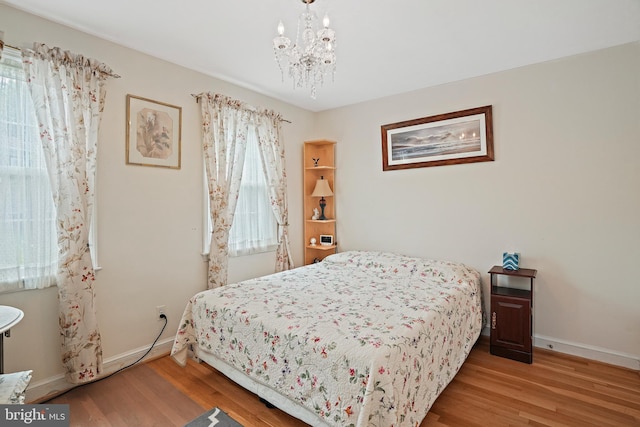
(149, 385)
(556, 390)
(136, 397)
(228, 396)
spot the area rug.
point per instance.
(213, 418)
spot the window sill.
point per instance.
(272, 248)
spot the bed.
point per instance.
(359, 339)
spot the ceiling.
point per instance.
(384, 47)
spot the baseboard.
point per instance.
(49, 387)
(582, 350)
(588, 352)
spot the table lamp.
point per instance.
(322, 189)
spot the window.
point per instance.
(254, 226)
(28, 247)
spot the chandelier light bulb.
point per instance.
(310, 58)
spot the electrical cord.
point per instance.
(162, 316)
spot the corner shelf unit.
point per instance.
(324, 150)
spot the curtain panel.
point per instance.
(68, 93)
(273, 164)
(225, 125)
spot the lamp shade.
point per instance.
(322, 188)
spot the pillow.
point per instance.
(375, 262)
(390, 264)
(366, 258)
(13, 386)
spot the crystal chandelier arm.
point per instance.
(312, 57)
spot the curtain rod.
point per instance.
(197, 97)
(115, 76)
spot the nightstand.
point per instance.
(512, 316)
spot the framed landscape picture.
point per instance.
(446, 139)
(153, 133)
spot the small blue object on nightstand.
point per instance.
(510, 261)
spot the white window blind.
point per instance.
(254, 226)
(28, 247)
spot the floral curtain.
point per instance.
(272, 155)
(68, 93)
(225, 123)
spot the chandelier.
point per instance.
(312, 57)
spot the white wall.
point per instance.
(150, 219)
(564, 190)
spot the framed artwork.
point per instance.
(153, 133)
(446, 139)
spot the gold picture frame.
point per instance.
(154, 133)
(446, 139)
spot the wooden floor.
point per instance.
(556, 390)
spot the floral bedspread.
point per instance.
(360, 339)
